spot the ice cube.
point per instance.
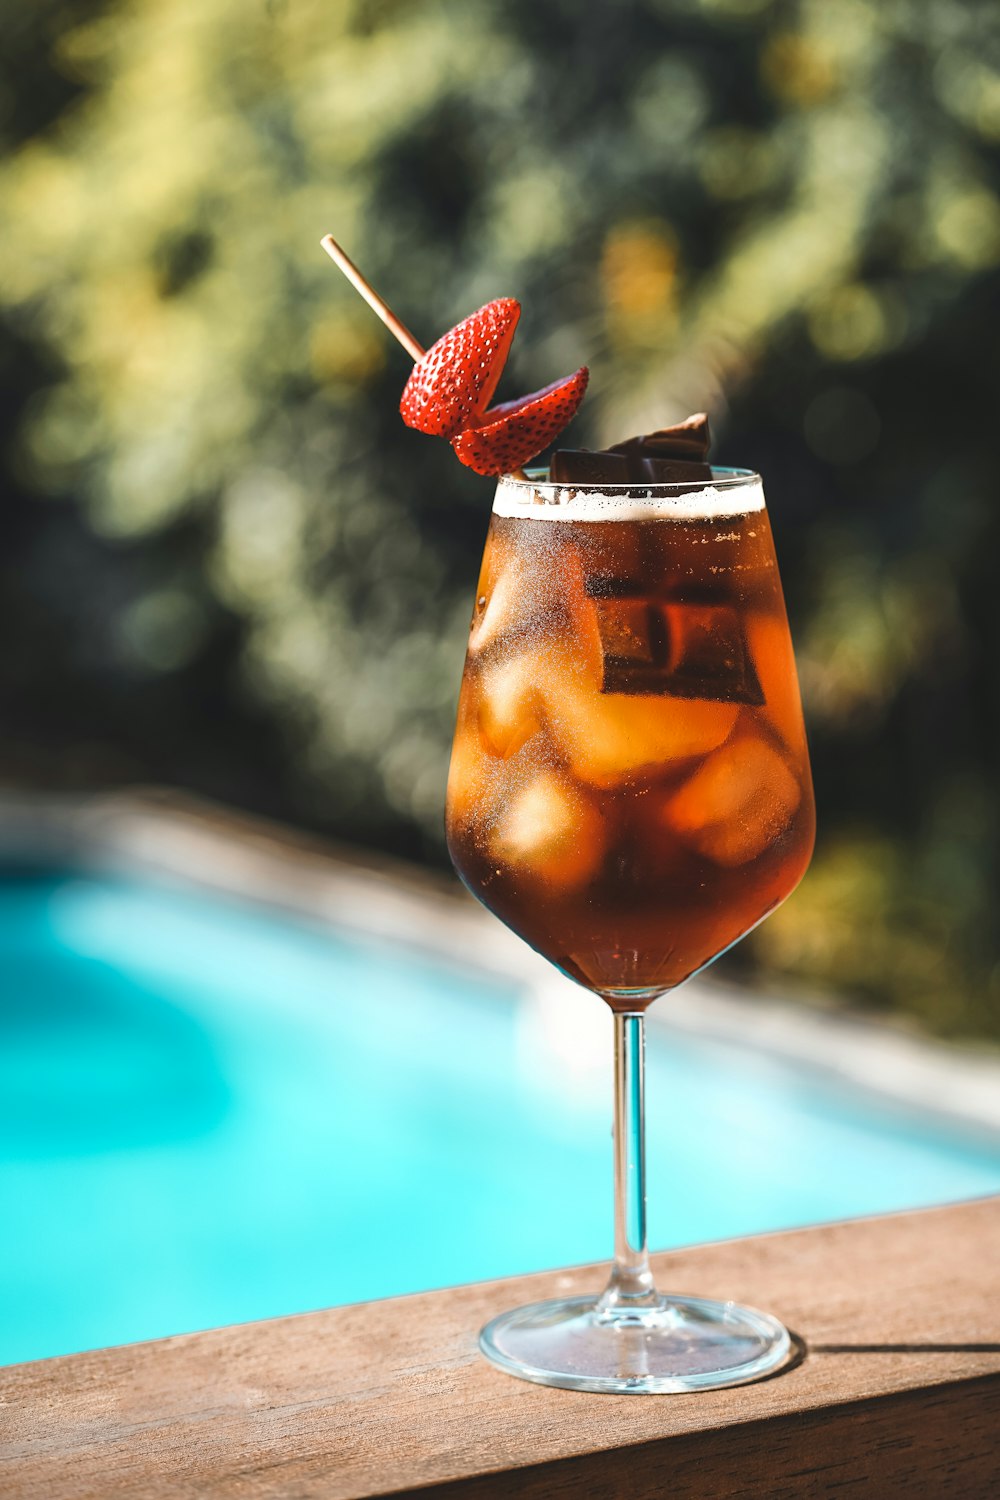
(510, 709)
(500, 607)
(552, 831)
(534, 592)
(740, 800)
(609, 737)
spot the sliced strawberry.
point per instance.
(515, 431)
(451, 385)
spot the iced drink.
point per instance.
(629, 786)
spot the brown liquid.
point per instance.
(629, 785)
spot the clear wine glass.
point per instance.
(630, 792)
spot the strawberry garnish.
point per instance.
(451, 385)
(514, 431)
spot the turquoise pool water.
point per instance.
(210, 1114)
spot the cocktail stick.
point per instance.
(371, 296)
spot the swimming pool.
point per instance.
(210, 1113)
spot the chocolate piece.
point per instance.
(710, 658)
(688, 440)
(634, 645)
(580, 466)
(673, 471)
(674, 455)
(677, 650)
(662, 644)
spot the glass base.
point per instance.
(674, 1344)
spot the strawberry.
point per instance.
(451, 385)
(514, 431)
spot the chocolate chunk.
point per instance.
(688, 440)
(580, 466)
(674, 455)
(673, 471)
(674, 649)
(710, 654)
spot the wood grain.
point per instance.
(898, 1392)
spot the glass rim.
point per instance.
(723, 478)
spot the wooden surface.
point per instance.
(897, 1392)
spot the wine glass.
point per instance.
(630, 792)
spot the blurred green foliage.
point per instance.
(249, 578)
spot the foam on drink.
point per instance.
(527, 500)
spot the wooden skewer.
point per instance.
(396, 328)
(375, 302)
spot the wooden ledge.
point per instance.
(897, 1393)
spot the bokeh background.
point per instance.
(226, 566)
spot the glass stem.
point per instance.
(631, 1283)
